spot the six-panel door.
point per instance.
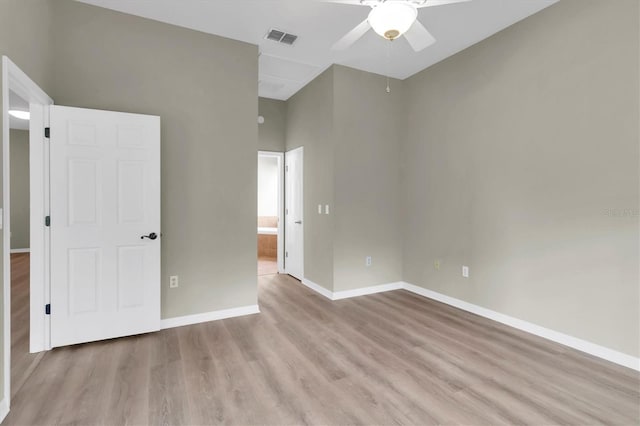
(105, 196)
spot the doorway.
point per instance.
(270, 209)
(22, 361)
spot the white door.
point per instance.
(105, 198)
(294, 207)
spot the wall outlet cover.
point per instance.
(465, 271)
(173, 281)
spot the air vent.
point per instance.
(289, 39)
(281, 37)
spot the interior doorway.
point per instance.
(23, 362)
(270, 207)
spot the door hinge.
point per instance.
(47, 132)
(47, 309)
(286, 168)
(47, 221)
(286, 254)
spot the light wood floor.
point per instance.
(391, 358)
(267, 266)
(22, 362)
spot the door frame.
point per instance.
(280, 157)
(14, 79)
(284, 204)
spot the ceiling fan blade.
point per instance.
(418, 37)
(432, 3)
(352, 36)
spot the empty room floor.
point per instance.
(389, 358)
(22, 362)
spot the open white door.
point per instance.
(105, 201)
(294, 209)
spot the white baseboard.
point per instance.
(209, 316)
(4, 408)
(367, 290)
(339, 295)
(555, 336)
(22, 250)
(318, 288)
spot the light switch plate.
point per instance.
(465, 271)
(326, 209)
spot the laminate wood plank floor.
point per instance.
(22, 362)
(389, 358)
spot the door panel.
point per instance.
(294, 212)
(105, 195)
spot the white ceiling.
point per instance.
(319, 24)
(16, 102)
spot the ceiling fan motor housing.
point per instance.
(392, 19)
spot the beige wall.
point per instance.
(271, 133)
(25, 37)
(309, 123)
(204, 88)
(367, 133)
(19, 189)
(521, 160)
(350, 129)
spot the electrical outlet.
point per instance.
(436, 265)
(465, 271)
(319, 208)
(326, 209)
(173, 281)
(368, 261)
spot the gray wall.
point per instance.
(367, 133)
(309, 123)
(522, 162)
(25, 37)
(19, 189)
(205, 89)
(350, 129)
(271, 133)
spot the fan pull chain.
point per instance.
(389, 65)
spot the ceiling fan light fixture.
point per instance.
(392, 19)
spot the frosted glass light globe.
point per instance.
(392, 19)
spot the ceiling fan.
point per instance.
(392, 19)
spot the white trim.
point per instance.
(346, 294)
(209, 316)
(280, 242)
(555, 336)
(318, 288)
(13, 79)
(367, 290)
(22, 250)
(4, 408)
(39, 234)
(546, 333)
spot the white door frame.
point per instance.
(14, 79)
(280, 157)
(301, 149)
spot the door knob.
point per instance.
(151, 236)
(299, 222)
